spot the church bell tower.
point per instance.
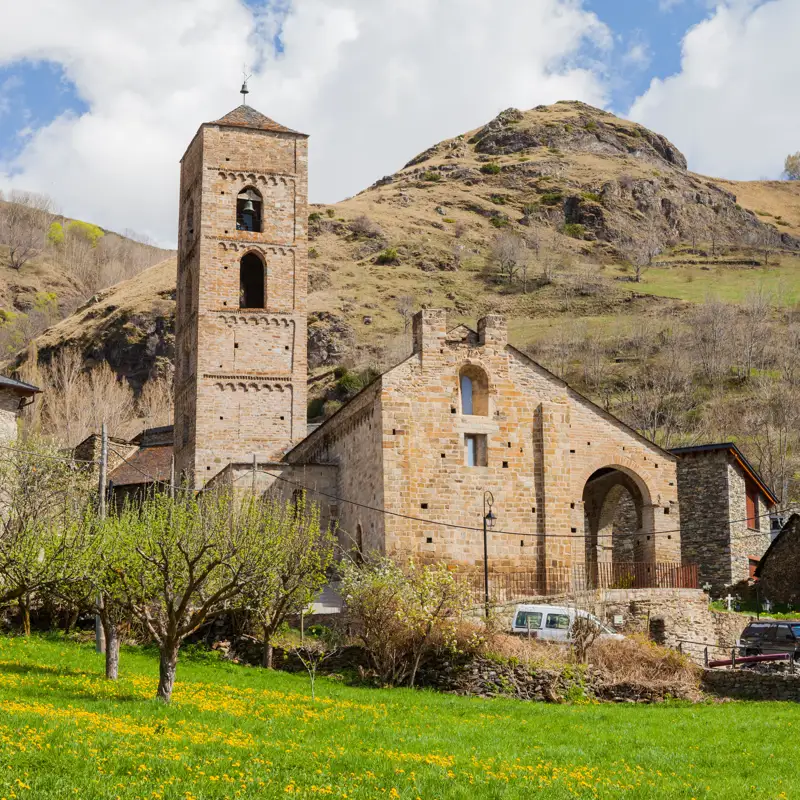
(241, 362)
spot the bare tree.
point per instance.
(405, 308)
(508, 253)
(710, 325)
(460, 229)
(24, 221)
(156, 400)
(768, 242)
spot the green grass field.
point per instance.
(234, 731)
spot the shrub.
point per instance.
(491, 168)
(316, 408)
(499, 222)
(401, 612)
(388, 256)
(636, 660)
(313, 252)
(529, 208)
(552, 198)
(364, 226)
(448, 220)
(498, 199)
(433, 177)
(574, 230)
(592, 197)
(591, 125)
(331, 212)
(555, 151)
(314, 217)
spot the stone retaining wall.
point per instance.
(746, 684)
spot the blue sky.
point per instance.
(99, 93)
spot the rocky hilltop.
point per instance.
(589, 193)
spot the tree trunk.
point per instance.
(167, 665)
(266, 653)
(25, 608)
(111, 633)
(72, 618)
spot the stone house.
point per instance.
(14, 396)
(725, 512)
(778, 571)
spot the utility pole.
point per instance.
(99, 634)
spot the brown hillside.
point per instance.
(581, 185)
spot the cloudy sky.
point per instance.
(98, 98)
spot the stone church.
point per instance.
(406, 465)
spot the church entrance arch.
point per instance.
(618, 526)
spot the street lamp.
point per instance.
(488, 522)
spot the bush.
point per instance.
(491, 168)
(593, 197)
(448, 220)
(388, 256)
(363, 226)
(314, 217)
(552, 198)
(313, 252)
(591, 125)
(316, 408)
(331, 212)
(499, 222)
(636, 660)
(574, 230)
(529, 208)
(401, 612)
(498, 199)
(433, 177)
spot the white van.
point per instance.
(553, 623)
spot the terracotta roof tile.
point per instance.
(146, 464)
(246, 117)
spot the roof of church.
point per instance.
(246, 117)
(18, 386)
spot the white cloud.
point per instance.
(732, 108)
(373, 82)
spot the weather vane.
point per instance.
(244, 91)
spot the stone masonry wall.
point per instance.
(714, 531)
(780, 569)
(9, 411)
(743, 684)
(248, 391)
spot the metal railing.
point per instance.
(506, 587)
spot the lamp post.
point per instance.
(488, 522)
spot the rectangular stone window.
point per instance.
(475, 454)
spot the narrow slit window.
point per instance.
(475, 450)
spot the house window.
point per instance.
(474, 387)
(248, 211)
(751, 492)
(251, 282)
(475, 454)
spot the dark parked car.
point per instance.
(770, 636)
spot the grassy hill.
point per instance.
(621, 253)
(241, 732)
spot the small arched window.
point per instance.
(251, 282)
(474, 386)
(248, 210)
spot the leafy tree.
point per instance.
(300, 553)
(792, 167)
(86, 230)
(190, 559)
(43, 506)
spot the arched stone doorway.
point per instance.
(618, 526)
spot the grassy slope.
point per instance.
(239, 732)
